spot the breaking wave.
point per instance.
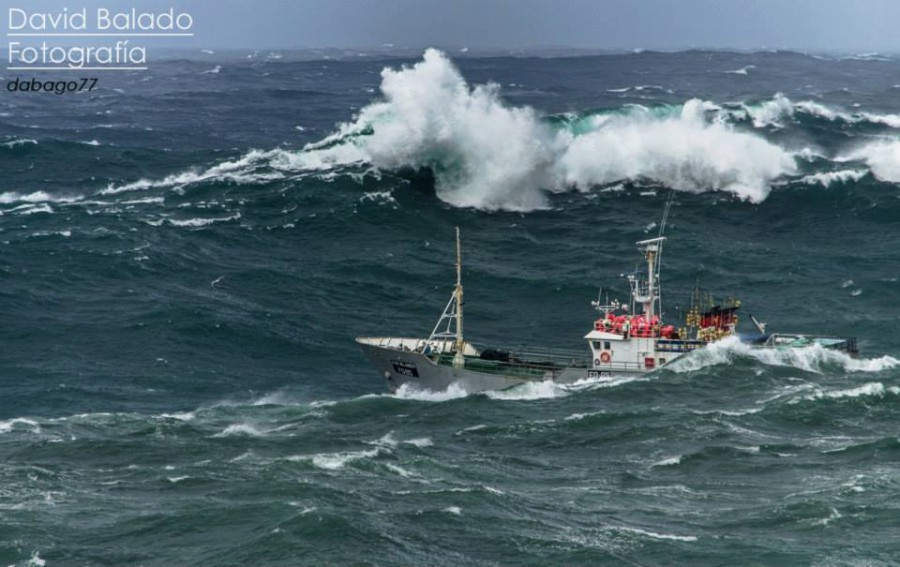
(882, 157)
(488, 154)
(777, 110)
(814, 358)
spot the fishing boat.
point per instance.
(626, 339)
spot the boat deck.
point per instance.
(527, 363)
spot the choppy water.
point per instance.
(187, 254)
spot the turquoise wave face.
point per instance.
(188, 257)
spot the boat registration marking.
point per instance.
(405, 368)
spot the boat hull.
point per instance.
(421, 371)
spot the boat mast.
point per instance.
(649, 296)
(459, 296)
(450, 325)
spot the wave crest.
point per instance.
(814, 358)
(489, 155)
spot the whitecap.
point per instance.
(826, 179)
(742, 71)
(180, 416)
(420, 442)
(199, 222)
(386, 440)
(489, 155)
(383, 197)
(670, 461)
(809, 358)
(241, 429)
(409, 392)
(882, 157)
(336, 461)
(15, 143)
(10, 425)
(655, 535)
(542, 390)
(9, 197)
(869, 389)
(239, 171)
(400, 470)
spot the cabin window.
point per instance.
(606, 345)
(597, 345)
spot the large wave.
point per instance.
(687, 151)
(487, 154)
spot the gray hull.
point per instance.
(421, 371)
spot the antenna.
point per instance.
(662, 230)
(761, 327)
(459, 296)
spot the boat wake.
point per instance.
(814, 358)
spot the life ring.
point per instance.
(596, 362)
(605, 357)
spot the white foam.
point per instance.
(668, 462)
(742, 71)
(177, 479)
(882, 157)
(656, 535)
(604, 382)
(843, 176)
(198, 222)
(35, 197)
(409, 392)
(335, 461)
(687, 152)
(144, 201)
(18, 143)
(868, 389)
(456, 510)
(810, 358)
(10, 425)
(529, 391)
(832, 516)
(241, 429)
(34, 209)
(489, 155)
(240, 171)
(484, 153)
(36, 560)
(420, 442)
(180, 416)
(386, 440)
(384, 197)
(400, 471)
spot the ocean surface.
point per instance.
(187, 253)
